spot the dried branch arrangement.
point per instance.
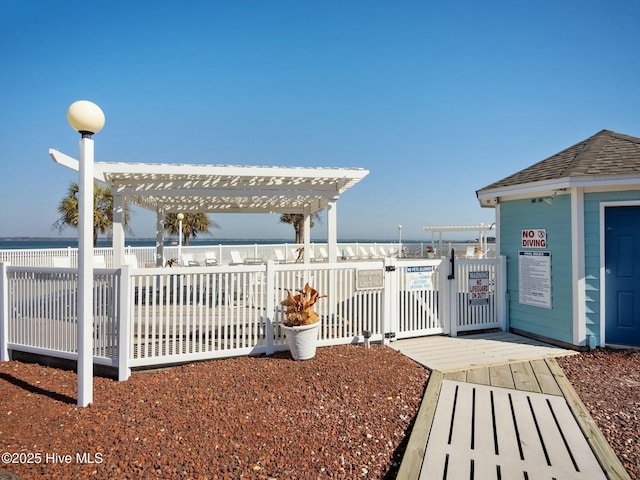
(300, 311)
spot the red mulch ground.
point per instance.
(344, 414)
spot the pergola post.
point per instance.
(307, 235)
(159, 238)
(117, 241)
(332, 231)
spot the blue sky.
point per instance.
(435, 99)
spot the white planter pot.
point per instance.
(302, 340)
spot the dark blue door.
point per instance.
(622, 275)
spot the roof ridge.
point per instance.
(590, 147)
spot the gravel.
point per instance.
(608, 383)
(347, 413)
(344, 414)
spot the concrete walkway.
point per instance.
(503, 410)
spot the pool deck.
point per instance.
(498, 406)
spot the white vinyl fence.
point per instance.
(155, 316)
(228, 254)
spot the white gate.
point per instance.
(444, 296)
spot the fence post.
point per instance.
(389, 320)
(124, 320)
(4, 313)
(501, 292)
(452, 294)
(269, 313)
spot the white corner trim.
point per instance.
(578, 267)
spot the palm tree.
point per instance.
(102, 210)
(192, 224)
(297, 220)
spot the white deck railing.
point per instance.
(223, 254)
(154, 316)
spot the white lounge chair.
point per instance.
(236, 259)
(279, 255)
(474, 252)
(363, 252)
(350, 254)
(324, 256)
(210, 258)
(189, 261)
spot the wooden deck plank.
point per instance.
(604, 453)
(500, 376)
(460, 375)
(572, 441)
(465, 352)
(417, 444)
(479, 375)
(506, 438)
(529, 436)
(546, 380)
(524, 378)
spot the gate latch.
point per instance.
(390, 335)
(390, 268)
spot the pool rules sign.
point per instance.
(534, 278)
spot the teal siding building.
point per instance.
(569, 227)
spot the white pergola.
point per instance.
(174, 188)
(482, 230)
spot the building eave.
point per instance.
(492, 196)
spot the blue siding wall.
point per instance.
(592, 252)
(515, 216)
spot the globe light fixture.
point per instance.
(87, 119)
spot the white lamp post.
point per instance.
(399, 240)
(180, 218)
(87, 119)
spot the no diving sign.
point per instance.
(534, 238)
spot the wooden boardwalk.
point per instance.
(462, 353)
(519, 419)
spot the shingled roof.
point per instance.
(606, 153)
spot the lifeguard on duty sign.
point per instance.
(534, 238)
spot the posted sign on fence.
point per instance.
(370, 279)
(419, 278)
(479, 288)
